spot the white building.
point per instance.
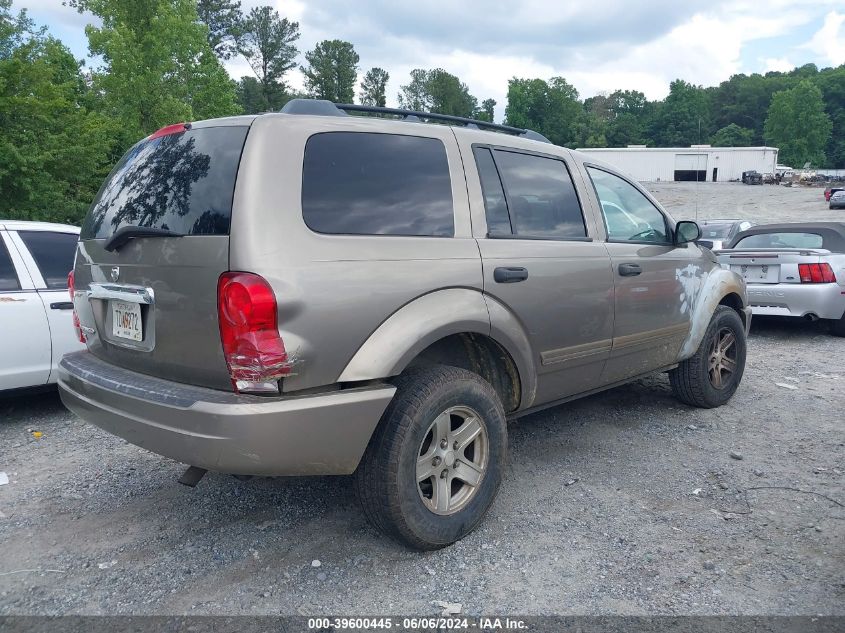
(697, 162)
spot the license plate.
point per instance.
(764, 273)
(126, 320)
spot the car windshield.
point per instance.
(781, 240)
(717, 231)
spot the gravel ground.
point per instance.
(623, 503)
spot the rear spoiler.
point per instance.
(745, 252)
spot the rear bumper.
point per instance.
(323, 434)
(826, 301)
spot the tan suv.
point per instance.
(313, 293)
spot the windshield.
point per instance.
(180, 182)
(717, 231)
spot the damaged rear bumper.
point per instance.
(323, 434)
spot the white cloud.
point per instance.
(829, 41)
(777, 64)
(599, 46)
(55, 13)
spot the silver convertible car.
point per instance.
(793, 270)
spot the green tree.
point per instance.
(684, 117)
(251, 96)
(486, 111)
(798, 124)
(267, 42)
(374, 87)
(437, 91)
(54, 151)
(732, 135)
(331, 71)
(627, 102)
(629, 114)
(157, 66)
(551, 108)
(223, 19)
(831, 81)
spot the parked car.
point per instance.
(334, 294)
(752, 177)
(793, 270)
(837, 199)
(769, 179)
(718, 232)
(35, 309)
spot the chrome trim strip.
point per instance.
(650, 336)
(122, 292)
(575, 352)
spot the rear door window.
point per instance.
(8, 276)
(541, 197)
(360, 183)
(183, 182)
(53, 254)
(495, 206)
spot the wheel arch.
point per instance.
(456, 326)
(721, 287)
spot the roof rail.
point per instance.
(321, 107)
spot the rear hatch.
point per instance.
(148, 302)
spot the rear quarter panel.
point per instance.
(334, 291)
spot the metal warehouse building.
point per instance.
(698, 162)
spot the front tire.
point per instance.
(435, 462)
(710, 377)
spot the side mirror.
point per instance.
(686, 231)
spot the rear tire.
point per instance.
(837, 326)
(710, 377)
(412, 482)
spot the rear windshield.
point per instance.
(781, 240)
(181, 182)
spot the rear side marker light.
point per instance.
(71, 288)
(816, 273)
(254, 350)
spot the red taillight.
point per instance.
(816, 273)
(71, 287)
(254, 351)
(176, 128)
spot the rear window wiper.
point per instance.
(122, 235)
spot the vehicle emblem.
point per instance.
(115, 273)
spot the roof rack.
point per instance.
(322, 107)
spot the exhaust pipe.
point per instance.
(191, 477)
(812, 318)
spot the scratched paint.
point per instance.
(713, 287)
(691, 278)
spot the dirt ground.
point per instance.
(626, 502)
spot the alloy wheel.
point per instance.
(452, 460)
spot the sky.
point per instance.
(598, 46)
